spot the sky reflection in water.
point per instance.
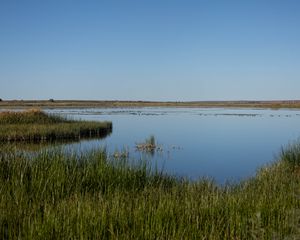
(223, 144)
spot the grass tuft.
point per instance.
(291, 155)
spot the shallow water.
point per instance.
(223, 144)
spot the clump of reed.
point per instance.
(35, 126)
(31, 116)
(291, 155)
(62, 195)
(149, 146)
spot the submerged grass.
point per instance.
(60, 195)
(35, 125)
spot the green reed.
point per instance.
(35, 126)
(63, 195)
(32, 116)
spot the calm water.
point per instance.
(224, 144)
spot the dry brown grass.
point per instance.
(116, 104)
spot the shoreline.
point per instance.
(24, 104)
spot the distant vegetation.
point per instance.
(35, 125)
(59, 195)
(221, 104)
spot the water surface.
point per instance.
(223, 144)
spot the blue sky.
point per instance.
(150, 49)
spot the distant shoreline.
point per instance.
(120, 104)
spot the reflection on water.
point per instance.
(224, 144)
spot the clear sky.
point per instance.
(150, 49)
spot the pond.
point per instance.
(223, 144)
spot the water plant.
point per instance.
(64, 195)
(31, 116)
(291, 155)
(148, 146)
(35, 125)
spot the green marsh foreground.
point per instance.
(61, 195)
(35, 126)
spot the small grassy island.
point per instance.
(35, 125)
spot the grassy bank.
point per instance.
(35, 125)
(56, 195)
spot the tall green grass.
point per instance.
(60, 195)
(32, 116)
(291, 155)
(35, 126)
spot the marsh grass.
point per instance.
(36, 126)
(291, 155)
(149, 146)
(32, 116)
(61, 195)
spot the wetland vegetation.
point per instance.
(35, 126)
(149, 146)
(59, 194)
(116, 104)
